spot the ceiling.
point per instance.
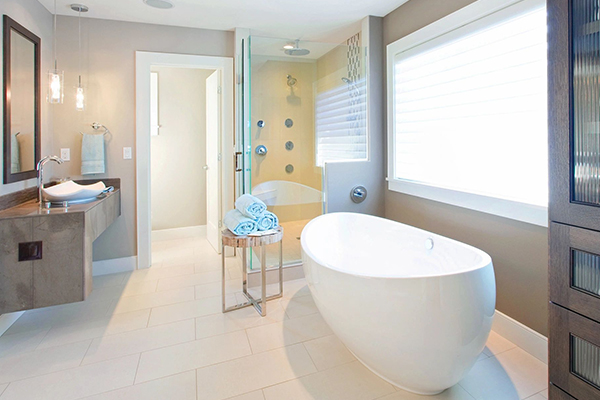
(306, 19)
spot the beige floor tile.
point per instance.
(544, 393)
(346, 382)
(328, 352)
(299, 306)
(152, 274)
(111, 325)
(21, 342)
(77, 382)
(45, 318)
(184, 310)
(190, 280)
(496, 344)
(110, 280)
(151, 300)
(40, 362)
(287, 332)
(254, 372)
(454, 393)
(175, 387)
(191, 355)
(257, 395)
(213, 289)
(123, 344)
(536, 396)
(219, 323)
(122, 290)
(513, 374)
(3, 387)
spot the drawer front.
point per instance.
(574, 353)
(575, 269)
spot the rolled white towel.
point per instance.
(239, 224)
(250, 206)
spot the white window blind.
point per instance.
(470, 110)
(340, 123)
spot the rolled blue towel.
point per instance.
(250, 206)
(267, 221)
(239, 224)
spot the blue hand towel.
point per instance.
(92, 154)
(267, 221)
(239, 224)
(250, 206)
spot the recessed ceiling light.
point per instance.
(162, 4)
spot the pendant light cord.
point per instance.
(79, 28)
(54, 29)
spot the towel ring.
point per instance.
(96, 126)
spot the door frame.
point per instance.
(143, 63)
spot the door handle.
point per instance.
(238, 167)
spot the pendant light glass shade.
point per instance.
(80, 98)
(79, 92)
(56, 78)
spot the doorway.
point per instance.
(184, 129)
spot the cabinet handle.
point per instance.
(238, 168)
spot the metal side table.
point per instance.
(244, 242)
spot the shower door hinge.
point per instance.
(219, 157)
(220, 224)
(219, 90)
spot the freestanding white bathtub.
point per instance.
(416, 315)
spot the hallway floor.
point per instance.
(160, 334)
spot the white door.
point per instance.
(213, 158)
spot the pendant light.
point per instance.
(79, 92)
(55, 77)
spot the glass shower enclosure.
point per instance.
(302, 104)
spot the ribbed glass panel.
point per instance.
(585, 359)
(585, 271)
(586, 105)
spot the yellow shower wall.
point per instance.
(273, 101)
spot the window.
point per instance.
(468, 110)
(341, 124)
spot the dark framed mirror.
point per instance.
(22, 101)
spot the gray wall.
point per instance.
(108, 69)
(519, 251)
(341, 177)
(33, 16)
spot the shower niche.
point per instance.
(312, 99)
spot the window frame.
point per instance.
(472, 15)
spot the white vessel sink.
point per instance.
(71, 191)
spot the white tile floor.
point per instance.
(159, 334)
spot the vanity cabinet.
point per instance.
(574, 207)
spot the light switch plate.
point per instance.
(65, 154)
(126, 153)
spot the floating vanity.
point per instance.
(46, 254)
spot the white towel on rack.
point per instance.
(92, 154)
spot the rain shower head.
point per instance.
(296, 50)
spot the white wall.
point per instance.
(109, 77)
(33, 16)
(179, 151)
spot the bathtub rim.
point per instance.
(486, 258)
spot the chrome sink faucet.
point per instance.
(40, 175)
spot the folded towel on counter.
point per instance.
(15, 154)
(267, 221)
(239, 224)
(92, 154)
(250, 206)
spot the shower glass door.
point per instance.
(305, 105)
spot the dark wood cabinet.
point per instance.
(574, 206)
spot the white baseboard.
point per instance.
(521, 335)
(6, 320)
(179, 233)
(115, 265)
